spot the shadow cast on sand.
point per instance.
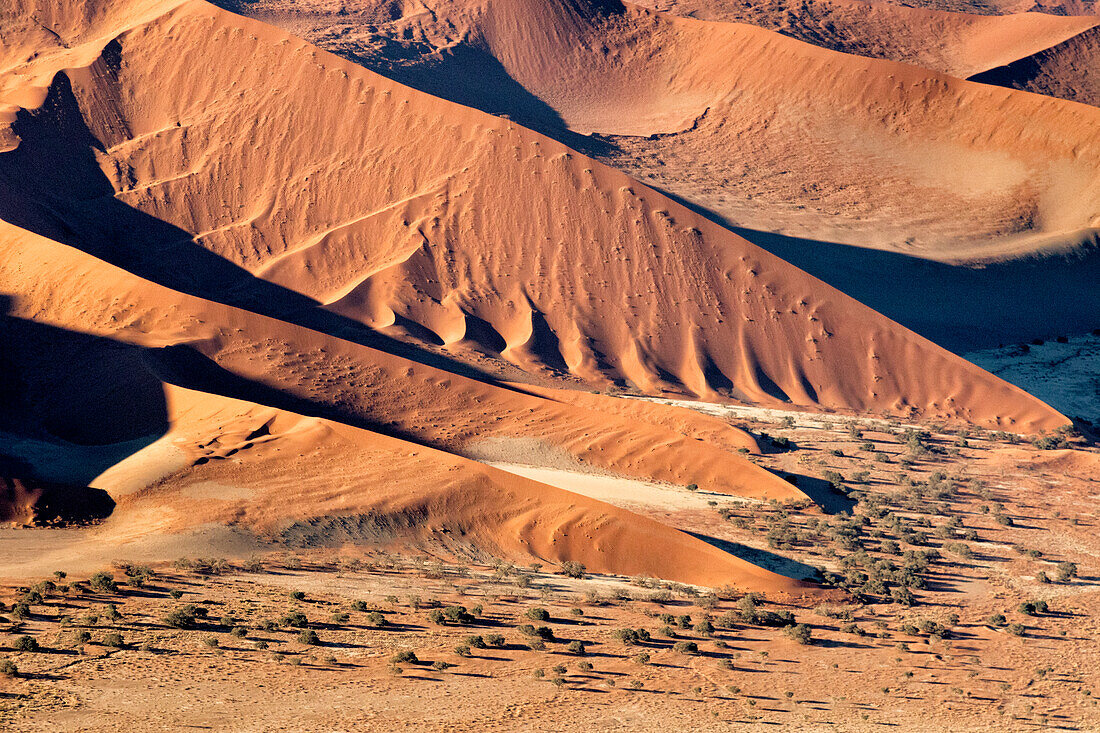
(768, 560)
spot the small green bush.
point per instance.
(103, 582)
(309, 637)
(405, 657)
(25, 644)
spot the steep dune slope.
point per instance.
(176, 460)
(1070, 70)
(407, 214)
(207, 345)
(797, 139)
(959, 44)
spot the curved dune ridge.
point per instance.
(1070, 70)
(358, 275)
(797, 139)
(956, 43)
(166, 460)
(488, 237)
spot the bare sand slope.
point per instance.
(761, 129)
(1070, 70)
(407, 215)
(306, 482)
(98, 342)
(955, 43)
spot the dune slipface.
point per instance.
(367, 268)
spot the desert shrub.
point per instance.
(476, 642)
(239, 632)
(462, 650)
(405, 657)
(360, 606)
(103, 582)
(494, 640)
(704, 627)
(211, 641)
(20, 611)
(340, 618)
(439, 665)
(175, 593)
(374, 618)
(538, 614)
(1016, 629)
(684, 621)
(642, 658)
(8, 668)
(25, 643)
(295, 619)
(573, 569)
(1066, 571)
(114, 640)
(996, 619)
(799, 633)
(297, 595)
(181, 618)
(576, 647)
(686, 647)
(661, 596)
(458, 615)
(436, 617)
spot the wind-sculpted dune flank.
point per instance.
(1070, 70)
(956, 43)
(179, 414)
(980, 201)
(397, 213)
(797, 139)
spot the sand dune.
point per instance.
(310, 336)
(956, 43)
(490, 239)
(1070, 70)
(797, 139)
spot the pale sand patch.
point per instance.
(623, 492)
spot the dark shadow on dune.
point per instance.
(821, 493)
(52, 185)
(763, 558)
(961, 308)
(74, 405)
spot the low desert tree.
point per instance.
(295, 619)
(573, 569)
(405, 657)
(799, 633)
(1066, 571)
(103, 582)
(25, 643)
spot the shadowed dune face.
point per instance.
(573, 268)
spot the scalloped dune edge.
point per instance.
(409, 211)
